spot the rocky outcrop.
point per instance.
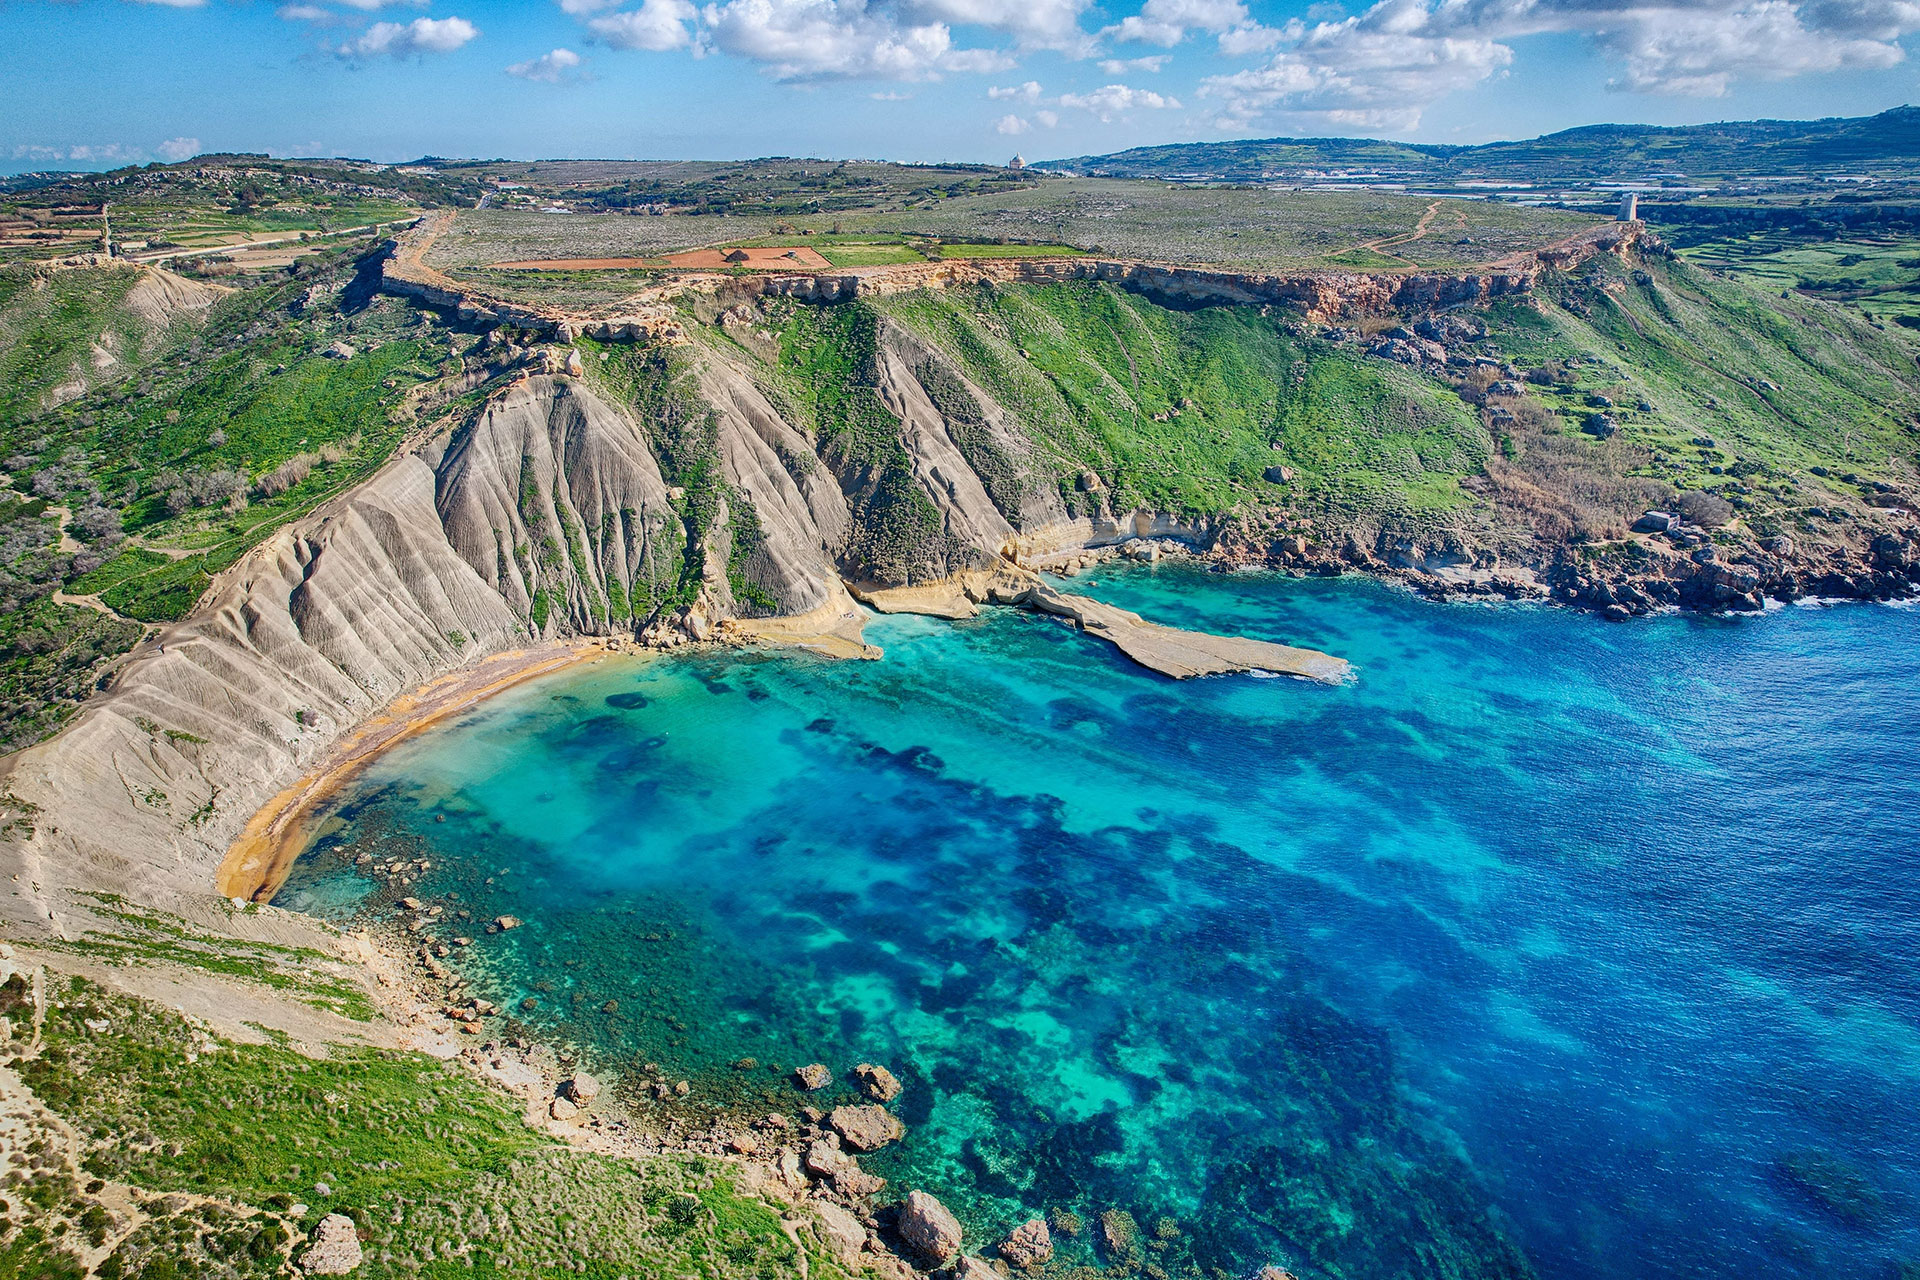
(1029, 1246)
(866, 1128)
(335, 1250)
(877, 1082)
(929, 1227)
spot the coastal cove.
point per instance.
(1544, 944)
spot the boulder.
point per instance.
(581, 1089)
(503, 923)
(813, 1076)
(929, 1228)
(561, 1109)
(966, 1267)
(842, 1233)
(338, 351)
(877, 1082)
(1271, 1272)
(336, 1247)
(1029, 1246)
(1278, 475)
(865, 1128)
(1654, 522)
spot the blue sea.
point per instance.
(1546, 946)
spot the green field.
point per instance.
(1881, 277)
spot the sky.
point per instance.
(101, 83)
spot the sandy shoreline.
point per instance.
(258, 861)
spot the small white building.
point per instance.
(1018, 162)
(1629, 206)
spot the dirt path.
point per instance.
(1419, 232)
(94, 603)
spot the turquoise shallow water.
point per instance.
(1609, 928)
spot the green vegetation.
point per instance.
(223, 1152)
(1780, 386)
(1186, 410)
(1881, 277)
(201, 432)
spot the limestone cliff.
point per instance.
(551, 509)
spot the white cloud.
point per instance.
(176, 4)
(306, 13)
(1166, 22)
(370, 6)
(548, 68)
(178, 149)
(1701, 52)
(1028, 92)
(1046, 119)
(890, 95)
(1128, 66)
(404, 39)
(657, 25)
(1378, 71)
(1045, 24)
(1112, 100)
(1011, 125)
(837, 39)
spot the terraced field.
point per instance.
(1880, 276)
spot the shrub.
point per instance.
(1708, 510)
(287, 475)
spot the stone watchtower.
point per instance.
(1629, 206)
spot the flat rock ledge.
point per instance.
(336, 1247)
(1168, 650)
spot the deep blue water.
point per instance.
(1610, 927)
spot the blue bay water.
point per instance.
(1610, 928)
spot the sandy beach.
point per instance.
(257, 863)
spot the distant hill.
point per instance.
(1888, 143)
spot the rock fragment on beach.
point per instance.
(581, 1088)
(842, 1233)
(1030, 1245)
(336, 1247)
(826, 1161)
(877, 1082)
(866, 1128)
(813, 1076)
(929, 1227)
(503, 923)
(967, 1267)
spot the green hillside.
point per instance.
(1888, 143)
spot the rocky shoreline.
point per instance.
(1663, 564)
(803, 1153)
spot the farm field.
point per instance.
(1879, 276)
